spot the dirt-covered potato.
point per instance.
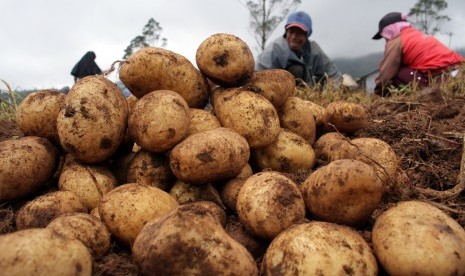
(230, 189)
(201, 120)
(88, 182)
(276, 85)
(268, 203)
(225, 59)
(329, 146)
(217, 211)
(190, 241)
(153, 68)
(37, 114)
(93, 122)
(319, 113)
(159, 120)
(345, 191)
(40, 211)
(150, 169)
(375, 152)
(297, 116)
(416, 238)
(209, 156)
(289, 153)
(43, 252)
(85, 228)
(320, 248)
(237, 231)
(26, 165)
(127, 208)
(185, 193)
(249, 114)
(347, 117)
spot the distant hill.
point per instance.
(363, 65)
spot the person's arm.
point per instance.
(391, 61)
(273, 57)
(323, 65)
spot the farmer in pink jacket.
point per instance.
(411, 56)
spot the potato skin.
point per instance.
(289, 153)
(347, 117)
(297, 116)
(268, 203)
(153, 68)
(249, 114)
(225, 59)
(27, 163)
(150, 169)
(416, 238)
(37, 114)
(209, 156)
(43, 252)
(93, 122)
(159, 120)
(40, 211)
(190, 241)
(276, 85)
(127, 208)
(345, 192)
(85, 228)
(88, 182)
(201, 120)
(319, 248)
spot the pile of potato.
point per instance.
(193, 175)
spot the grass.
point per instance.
(9, 106)
(323, 95)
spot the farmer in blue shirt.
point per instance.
(295, 53)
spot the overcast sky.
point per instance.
(40, 41)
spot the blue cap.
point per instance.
(301, 20)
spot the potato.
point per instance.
(93, 122)
(26, 165)
(237, 231)
(88, 182)
(345, 191)
(201, 120)
(329, 146)
(208, 156)
(185, 193)
(120, 165)
(249, 114)
(230, 190)
(190, 241)
(268, 203)
(153, 68)
(225, 59)
(159, 120)
(126, 209)
(150, 169)
(216, 210)
(375, 152)
(297, 116)
(319, 248)
(347, 117)
(416, 238)
(37, 114)
(319, 113)
(85, 228)
(43, 252)
(276, 85)
(40, 211)
(289, 153)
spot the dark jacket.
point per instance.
(86, 66)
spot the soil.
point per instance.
(426, 132)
